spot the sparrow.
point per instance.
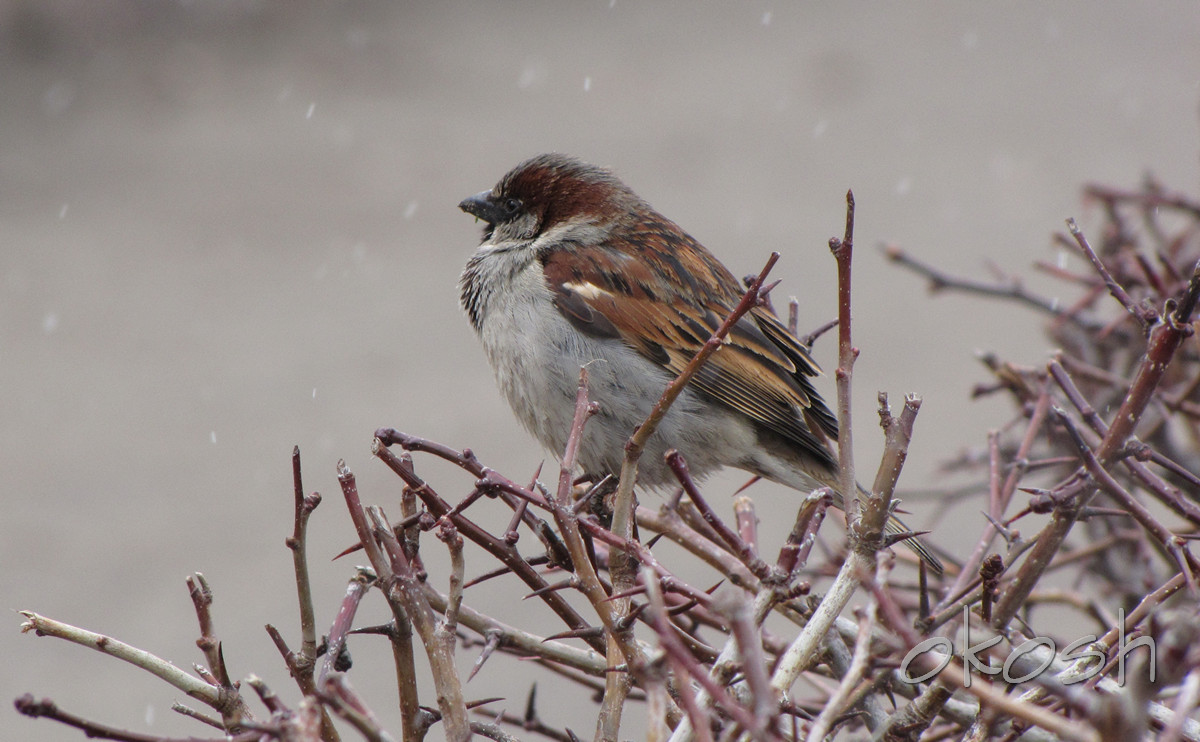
(574, 269)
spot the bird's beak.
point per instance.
(482, 206)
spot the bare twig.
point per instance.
(673, 647)
(701, 654)
(622, 649)
(156, 666)
(404, 587)
(1117, 290)
(998, 504)
(497, 547)
(1164, 341)
(337, 693)
(858, 664)
(402, 651)
(843, 253)
(233, 709)
(303, 664)
(1013, 289)
(344, 621)
(732, 539)
(47, 709)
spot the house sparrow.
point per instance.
(575, 269)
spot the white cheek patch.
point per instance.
(581, 231)
(500, 244)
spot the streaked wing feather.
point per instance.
(667, 314)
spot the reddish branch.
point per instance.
(47, 709)
(1165, 340)
(497, 547)
(701, 657)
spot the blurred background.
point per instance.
(228, 228)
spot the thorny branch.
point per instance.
(1093, 477)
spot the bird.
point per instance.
(575, 269)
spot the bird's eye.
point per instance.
(512, 206)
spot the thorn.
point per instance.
(485, 577)
(747, 485)
(766, 290)
(628, 619)
(569, 582)
(597, 488)
(583, 633)
(892, 539)
(673, 504)
(383, 629)
(493, 641)
(1034, 490)
(511, 534)
(1002, 529)
(1093, 512)
(684, 608)
(638, 590)
(531, 705)
(533, 561)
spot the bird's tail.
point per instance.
(805, 478)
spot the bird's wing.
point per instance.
(666, 302)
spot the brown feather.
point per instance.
(652, 299)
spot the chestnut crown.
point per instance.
(546, 191)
